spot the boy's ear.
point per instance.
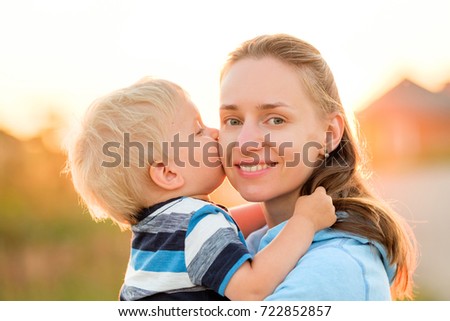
(165, 177)
(335, 131)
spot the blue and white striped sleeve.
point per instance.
(214, 248)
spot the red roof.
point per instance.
(408, 96)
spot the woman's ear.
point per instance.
(334, 132)
(165, 176)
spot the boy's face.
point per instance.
(194, 150)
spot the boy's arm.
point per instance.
(249, 217)
(257, 279)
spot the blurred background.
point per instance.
(390, 59)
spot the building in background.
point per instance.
(407, 125)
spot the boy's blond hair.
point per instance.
(141, 114)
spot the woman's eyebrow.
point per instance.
(228, 107)
(272, 105)
(261, 106)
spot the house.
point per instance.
(407, 125)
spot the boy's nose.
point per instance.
(212, 132)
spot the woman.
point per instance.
(284, 132)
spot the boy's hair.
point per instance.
(121, 134)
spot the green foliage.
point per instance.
(50, 249)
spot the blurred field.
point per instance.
(50, 249)
(421, 195)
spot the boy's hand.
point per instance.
(317, 208)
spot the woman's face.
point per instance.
(271, 134)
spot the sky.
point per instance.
(57, 56)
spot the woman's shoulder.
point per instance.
(331, 247)
(344, 247)
(338, 266)
(335, 270)
(351, 253)
(347, 245)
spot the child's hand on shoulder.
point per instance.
(316, 208)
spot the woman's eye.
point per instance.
(276, 121)
(232, 122)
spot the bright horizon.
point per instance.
(59, 56)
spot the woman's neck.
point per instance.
(279, 209)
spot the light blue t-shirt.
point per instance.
(337, 267)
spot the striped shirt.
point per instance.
(183, 249)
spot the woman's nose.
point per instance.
(250, 136)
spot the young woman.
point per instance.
(284, 132)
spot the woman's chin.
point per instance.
(253, 197)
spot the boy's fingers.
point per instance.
(321, 189)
